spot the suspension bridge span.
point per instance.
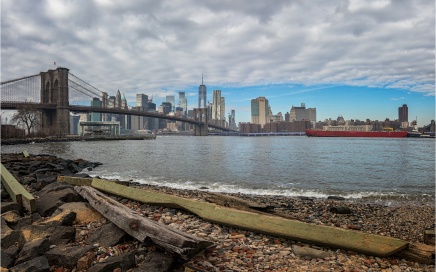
(58, 92)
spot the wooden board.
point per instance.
(17, 192)
(75, 181)
(357, 241)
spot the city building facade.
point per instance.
(259, 111)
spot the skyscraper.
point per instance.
(403, 113)
(202, 95)
(218, 108)
(183, 103)
(142, 101)
(259, 111)
(171, 99)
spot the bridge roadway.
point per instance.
(73, 108)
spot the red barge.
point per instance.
(351, 133)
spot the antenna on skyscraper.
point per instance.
(202, 79)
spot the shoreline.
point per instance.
(241, 250)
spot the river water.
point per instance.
(373, 168)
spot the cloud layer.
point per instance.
(150, 46)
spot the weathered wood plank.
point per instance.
(26, 154)
(292, 229)
(142, 228)
(17, 192)
(234, 202)
(75, 181)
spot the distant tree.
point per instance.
(26, 117)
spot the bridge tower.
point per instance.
(54, 90)
(200, 115)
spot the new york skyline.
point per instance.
(358, 59)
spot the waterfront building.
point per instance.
(403, 116)
(259, 111)
(74, 124)
(166, 108)
(301, 114)
(202, 91)
(218, 109)
(232, 120)
(183, 103)
(171, 99)
(139, 122)
(96, 103)
(118, 100)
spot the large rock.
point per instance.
(10, 237)
(156, 261)
(11, 206)
(66, 255)
(47, 203)
(106, 236)
(57, 235)
(33, 249)
(65, 218)
(6, 260)
(85, 214)
(39, 264)
(124, 261)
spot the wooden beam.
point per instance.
(75, 181)
(142, 228)
(16, 191)
(357, 241)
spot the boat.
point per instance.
(351, 133)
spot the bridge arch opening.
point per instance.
(46, 93)
(54, 92)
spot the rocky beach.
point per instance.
(66, 234)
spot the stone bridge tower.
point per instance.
(54, 90)
(201, 116)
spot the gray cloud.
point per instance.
(150, 46)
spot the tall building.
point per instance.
(202, 95)
(232, 121)
(171, 99)
(403, 113)
(183, 103)
(218, 108)
(259, 111)
(142, 101)
(96, 116)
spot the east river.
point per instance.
(364, 168)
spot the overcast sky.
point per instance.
(288, 51)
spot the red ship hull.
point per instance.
(347, 133)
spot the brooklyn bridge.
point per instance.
(58, 92)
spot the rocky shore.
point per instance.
(67, 234)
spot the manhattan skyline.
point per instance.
(358, 59)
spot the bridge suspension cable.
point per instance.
(24, 89)
(98, 93)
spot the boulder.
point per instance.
(6, 260)
(65, 218)
(11, 206)
(38, 264)
(107, 235)
(124, 261)
(46, 204)
(66, 255)
(57, 235)
(156, 261)
(85, 214)
(33, 249)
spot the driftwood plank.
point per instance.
(16, 191)
(142, 228)
(419, 253)
(234, 202)
(292, 229)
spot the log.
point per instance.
(16, 191)
(357, 241)
(142, 228)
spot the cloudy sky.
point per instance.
(359, 59)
